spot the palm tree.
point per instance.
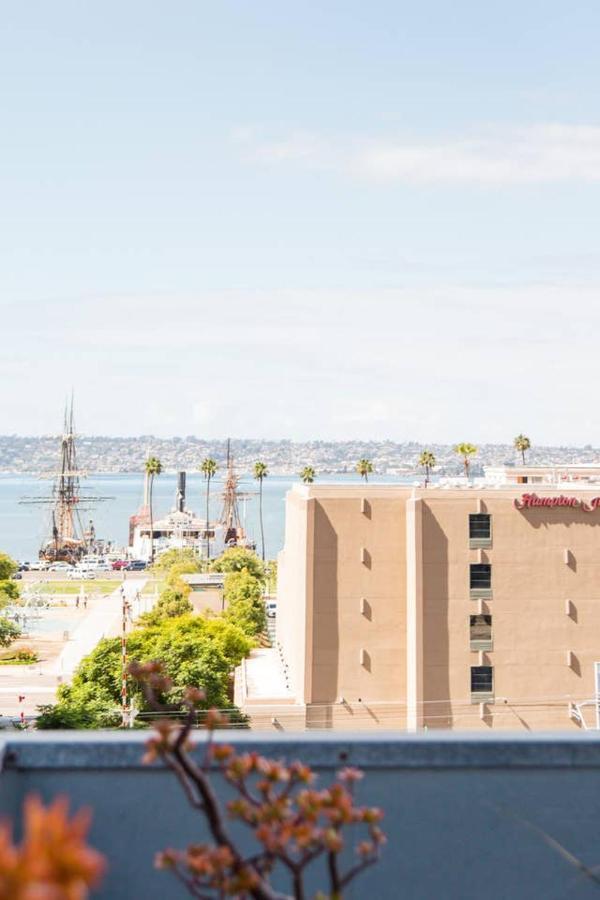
(427, 460)
(522, 444)
(208, 467)
(260, 473)
(364, 467)
(153, 468)
(308, 474)
(466, 451)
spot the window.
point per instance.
(480, 580)
(482, 681)
(480, 530)
(480, 632)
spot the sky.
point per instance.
(314, 220)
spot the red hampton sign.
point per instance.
(531, 501)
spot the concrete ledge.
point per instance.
(465, 815)
(327, 750)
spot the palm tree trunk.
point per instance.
(151, 520)
(262, 528)
(523, 455)
(207, 522)
(466, 467)
(426, 475)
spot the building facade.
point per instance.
(430, 608)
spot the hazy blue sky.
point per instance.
(320, 219)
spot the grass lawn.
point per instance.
(99, 586)
(17, 662)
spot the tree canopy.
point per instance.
(194, 650)
(522, 444)
(364, 467)
(236, 559)
(165, 561)
(244, 602)
(8, 632)
(8, 567)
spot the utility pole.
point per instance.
(125, 710)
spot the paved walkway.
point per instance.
(105, 620)
(37, 683)
(264, 676)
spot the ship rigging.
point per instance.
(69, 540)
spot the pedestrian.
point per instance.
(85, 600)
(77, 602)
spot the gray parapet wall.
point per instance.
(466, 816)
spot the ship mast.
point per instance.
(65, 515)
(68, 540)
(230, 513)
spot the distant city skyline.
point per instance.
(318, 221)
(128, 454)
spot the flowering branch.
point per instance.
(292, 822)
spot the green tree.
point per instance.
(208, 467)
(260, 473)
(364, 467)
(9, 590)
(169, 605)
(522, 444)
(153, 468)
(271, 576)
(238, 559)
(245, 605)
(172, 557)
(8, 567)
(174, 579)
(82, 707)
(466, 451)
(194, 651)
(308, 474)
(427, 462)
(8, 632)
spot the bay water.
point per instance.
(24, 526)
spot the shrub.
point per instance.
(27, 654)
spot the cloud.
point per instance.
(536, 154)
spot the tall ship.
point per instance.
(68, 539)
(181, 528)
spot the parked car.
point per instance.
(39, 565)
(78, 574)
(120, 564)
(60, 567)
(17, 576)
(24, 567)
(136, 565)
(271, 609)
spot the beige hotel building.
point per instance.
(444, 607)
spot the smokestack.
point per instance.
(180, 497)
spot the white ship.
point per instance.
(183, 529)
